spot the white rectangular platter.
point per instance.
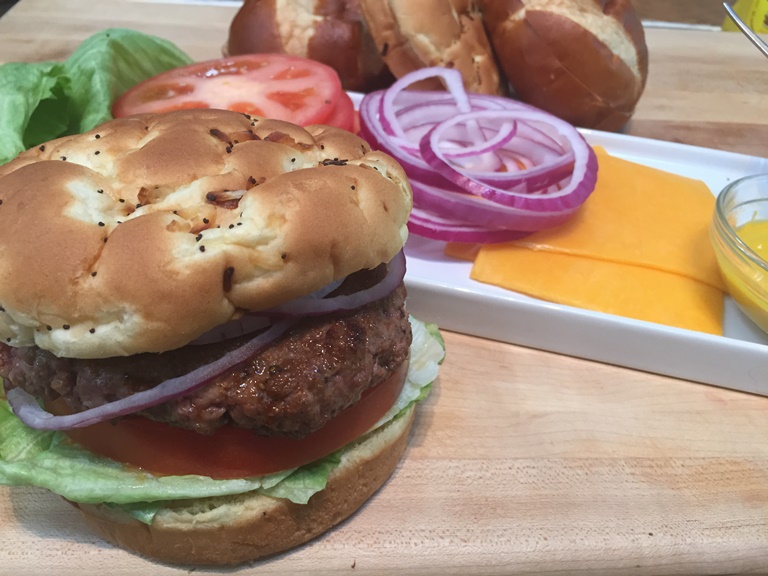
(440, 290)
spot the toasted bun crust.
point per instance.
(449, 33)
(240, 528)
(583, 60)
(330, 31)
(137, 242)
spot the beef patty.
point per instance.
(291, 388)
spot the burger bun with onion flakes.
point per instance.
(176, 224)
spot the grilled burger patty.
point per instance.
(291, 388)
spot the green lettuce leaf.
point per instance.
(22, 88)
(305, 481)
(109, 63)
(50, 460)
(40, 101)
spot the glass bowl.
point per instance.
(745, 272)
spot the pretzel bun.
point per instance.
(583, 60)
(235, 529)
(142, 234)
(449, 33)
(330, 31)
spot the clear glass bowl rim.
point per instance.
(726, 232)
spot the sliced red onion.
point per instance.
(29, 411)
(504, 135)
(312, 306)
(473, 179)
(430, 226)
(453, 83)
(573, 194)
(250, 323)
(528, 149)
(233, 329)
(443, 204)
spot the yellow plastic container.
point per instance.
(753, 12)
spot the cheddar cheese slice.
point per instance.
(614, 288)
(642, 216)
(638, 247)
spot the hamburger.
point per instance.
(204, 343)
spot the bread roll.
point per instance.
(412, 35)
(330, 31)
(583, 60)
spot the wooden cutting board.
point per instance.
(520, 461)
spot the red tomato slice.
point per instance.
(279, 86)
(232, 452)
(343, 115)
(356, 123)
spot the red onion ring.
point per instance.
(27, 409)
(444, 206)
(430, 226)
(453, 83)
(573, 194)
(246, 324)
(313, 306)
(250, 323)
(475, 178)
(503, 136)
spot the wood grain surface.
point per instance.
(701, 12)
(706, 88)
(521, 461)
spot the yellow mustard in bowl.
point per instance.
(739, 235)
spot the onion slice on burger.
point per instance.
(313, 306)
(250, 323)
(29, 411)
(483, 168)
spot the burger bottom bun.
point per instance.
(236, 529)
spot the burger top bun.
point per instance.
(148, 231)
(585, 61)
(449, 33)
(330, 31)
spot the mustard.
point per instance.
(750, 294)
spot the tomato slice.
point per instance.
(231, 452)
(343, 115)
(278, 86)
